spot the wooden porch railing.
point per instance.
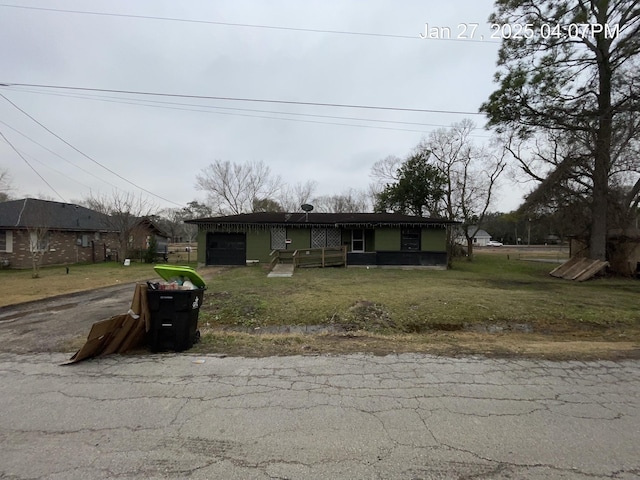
(320, 257)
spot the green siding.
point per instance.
(300, 238)
(387, 239)
(369, 240)
(259, 245)
(434, 239)
(202, 247)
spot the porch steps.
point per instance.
(281, 270)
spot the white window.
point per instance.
(357, 240)
(5, 241)
(39, 241)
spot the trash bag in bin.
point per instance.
(174, 305)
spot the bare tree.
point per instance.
(350, 201)
(561, 165)
(123, 213)
(383, 173)
(471, 174)
(293, 196)
(38, 240)
(231, 188)
(5, 185)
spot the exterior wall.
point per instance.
(387, 239)
(346, 238)
(370, 240)
(259, 245)
(201, 240)
(300, 238)
(434, 240)
(63, 248)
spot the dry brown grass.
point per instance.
(552, 347)
(18, 286)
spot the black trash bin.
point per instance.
(174, 309)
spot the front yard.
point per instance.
(499, 304)
(492, 305)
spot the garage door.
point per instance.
(226, 249)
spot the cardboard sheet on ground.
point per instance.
(120, 333)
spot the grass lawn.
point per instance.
(491, 290)
(493, 305)
(18, 286)
(497, 304)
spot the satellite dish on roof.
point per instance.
(306, 207)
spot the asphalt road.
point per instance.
(345, 417)
(48, 325)
(305, 417)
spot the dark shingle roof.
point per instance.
(319, 219)
(31, 212)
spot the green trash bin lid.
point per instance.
(169, 271)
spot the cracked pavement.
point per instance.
(403, 416)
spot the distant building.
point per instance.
(480, 239)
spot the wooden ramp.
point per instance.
(579, 269)
(281, 270)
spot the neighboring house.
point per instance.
(140, 239)
(480, 239)
(369, 238)
(62, 233)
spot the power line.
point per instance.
(237, 99)
(31, 166)
(209, 108)
(164, 104)
(57, 155)
(242, 25)
(63, 174)
(88, 157)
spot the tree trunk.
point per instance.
(602, 154)
(469, 249)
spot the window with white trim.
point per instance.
(39, 241)
(357, 240)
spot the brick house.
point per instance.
(63, 233)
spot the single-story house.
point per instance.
(62, 232)
(141, 236)
(480, 239)
(369, 238)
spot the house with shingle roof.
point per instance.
(62, 233)
(376, 239)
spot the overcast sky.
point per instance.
(161, 147)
